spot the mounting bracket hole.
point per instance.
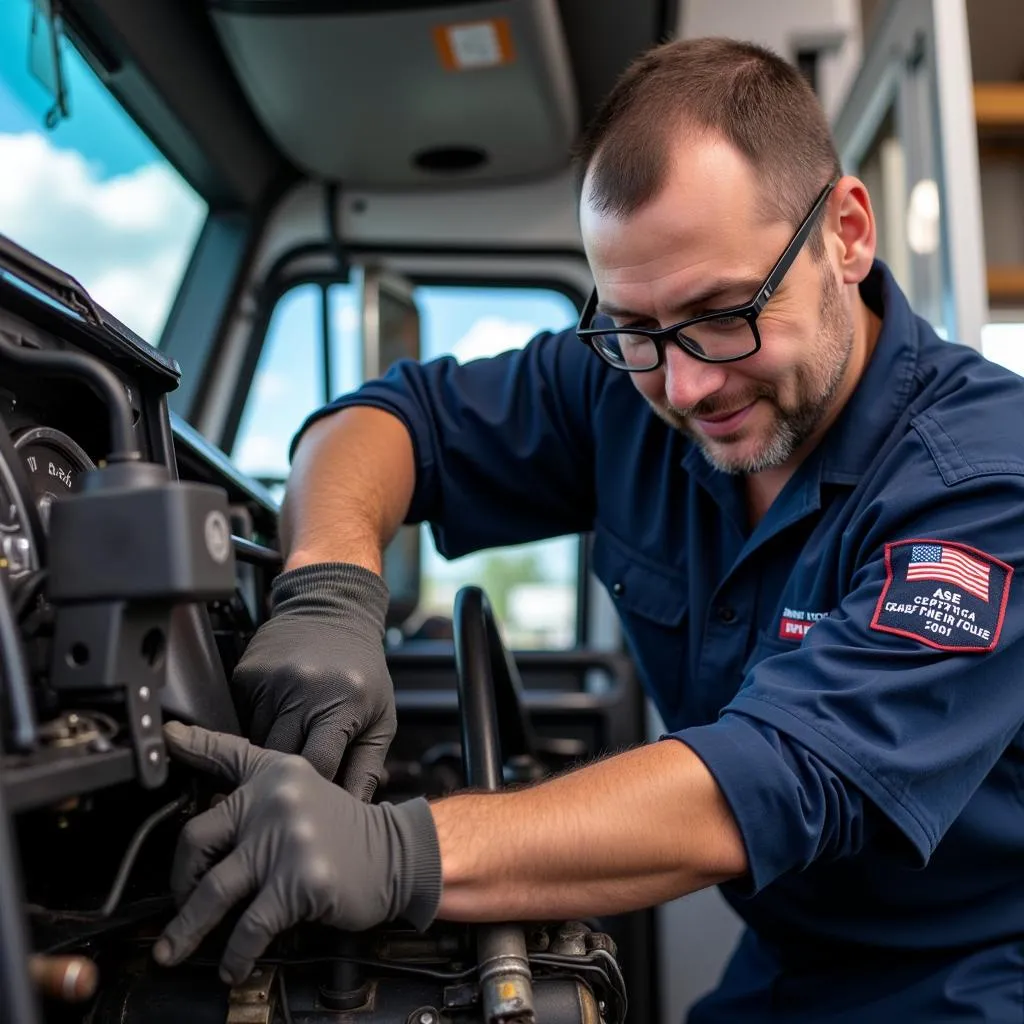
(153, 646)
(78, 655)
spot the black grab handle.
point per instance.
(493, 718)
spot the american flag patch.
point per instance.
(949, 565)
(943, 594)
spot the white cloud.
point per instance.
(347, 316)
(126, 238)
(269, 386)
(262, 454)
(490, 335)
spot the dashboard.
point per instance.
(135, 563)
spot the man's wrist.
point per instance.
(367, 557)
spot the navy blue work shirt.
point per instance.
(851, 670)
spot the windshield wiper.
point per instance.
(47, 279)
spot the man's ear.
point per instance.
(853, 228)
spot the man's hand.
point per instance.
(301, 848)
(313, 680)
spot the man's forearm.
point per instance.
(631, 831)
(349, 490)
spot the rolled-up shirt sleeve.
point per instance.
(503, 447)
(898, 703)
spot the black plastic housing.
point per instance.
(129, 532)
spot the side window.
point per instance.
(295, 375)
(1002, 340)
(92, 195)
(534, 587)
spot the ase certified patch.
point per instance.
(947, 595)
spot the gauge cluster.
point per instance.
(50, 462)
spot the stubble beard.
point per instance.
(816, 387)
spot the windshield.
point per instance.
(93, 196)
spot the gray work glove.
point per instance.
(313, 680)
(301, 848)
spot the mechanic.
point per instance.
(807, 507)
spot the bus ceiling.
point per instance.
(246, 95)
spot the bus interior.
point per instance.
(243, 208)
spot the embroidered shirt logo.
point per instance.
(795, 623)
(945, 594)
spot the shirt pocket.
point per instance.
(652, 602)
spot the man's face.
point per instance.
(709, 228)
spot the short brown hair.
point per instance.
(751, 97)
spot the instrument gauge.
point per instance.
(52, 461)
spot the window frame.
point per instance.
(279, 281)
(139, 102)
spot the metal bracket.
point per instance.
(254, 1001)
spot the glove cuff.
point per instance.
(332, 585)
(419, 877)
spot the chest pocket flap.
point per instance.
(637, 584)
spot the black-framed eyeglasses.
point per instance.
(719, 336)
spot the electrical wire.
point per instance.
(311, 961)
(109, 905)
(610, 974)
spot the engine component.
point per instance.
(72, 979)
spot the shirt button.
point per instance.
(727, 614)
(618, 589)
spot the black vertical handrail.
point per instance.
(494, 723)
(478, 707)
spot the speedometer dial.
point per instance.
(52, 462)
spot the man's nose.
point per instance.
(689, 381)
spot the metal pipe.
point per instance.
(506, 984)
